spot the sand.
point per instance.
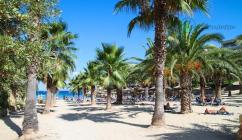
(127, 122)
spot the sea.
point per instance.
(60, 94)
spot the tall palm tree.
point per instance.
(159, 13)
(186, 44)
(60, 61)
(110, 60)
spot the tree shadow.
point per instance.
(75, 104)
(233, 121)
(99, 118)
(88, 109)
(41, 110)
(135, 110)
(13, 126)
(199, 132)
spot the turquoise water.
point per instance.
(60, 94)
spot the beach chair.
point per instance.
(173, 98)
(78, 101)
(217, 102)
(198, 101)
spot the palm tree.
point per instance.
(239, 43)
(125, 70)
(202, 73)
(84, 85)
(159, 13)
(110, 60)
(60, 61)
(75, 86)
(92, 79)
(224, 66)
(146, 68)
(186, 44)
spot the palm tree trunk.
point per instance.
(218, 86)
(93, 95)
(50, 97)
(84, 93)
(164, 89)
(53, 97)
(202, 89)
(146, 93)
(48, 101)
(240, 88)
(78, 92)
(30, 122)
(186, 92)
(159, 54)
(230, 93)
(119, 96)
(109, 100)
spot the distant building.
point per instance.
(230, 44)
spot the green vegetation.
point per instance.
(185, 46)
(34, 45)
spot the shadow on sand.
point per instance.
(12, 125)
(199, 132)
(98, 117)
(88, 108)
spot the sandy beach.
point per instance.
(69, 121)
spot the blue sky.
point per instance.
(95, 22)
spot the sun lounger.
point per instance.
(78, 101)
(173, 98)
(209, 101)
